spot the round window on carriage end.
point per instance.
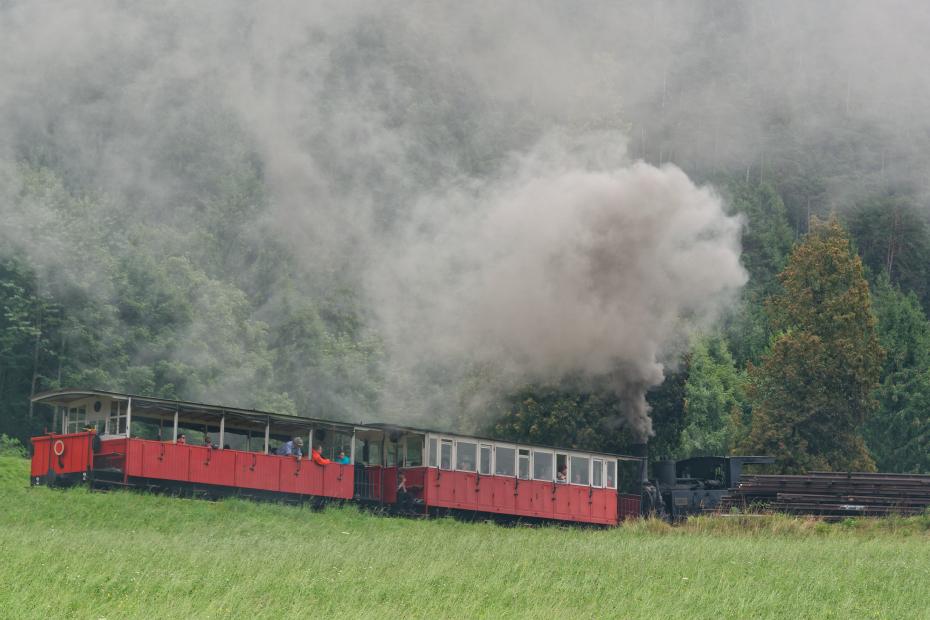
(97, 405)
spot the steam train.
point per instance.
(109, 439)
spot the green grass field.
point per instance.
(78, 554)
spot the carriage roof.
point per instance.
(188, 408)
(191, 409)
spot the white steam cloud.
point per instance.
(561, 271)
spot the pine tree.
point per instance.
(899, 434)
(713, 400)
(813, 392)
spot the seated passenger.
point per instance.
(182, 438)
(317, 455)
(562, 474)
(207, 442)
(291, 448)
(342, 459)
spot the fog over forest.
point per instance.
(410, 212)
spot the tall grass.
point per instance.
(120, 555)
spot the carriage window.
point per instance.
(561, 468)
(484, 466)
(445, 454)
(77, 418)
(597, 473)
(116, 423)
(391, 453)
(503, 465)
(611, 474)
(466, 456)
(524, 462)
(433, 452)
(374, 453)
(579, 469)
(542, 465)
(414, 452)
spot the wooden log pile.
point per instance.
(832, 494)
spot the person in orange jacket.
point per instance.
(317, 455)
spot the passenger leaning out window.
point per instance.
(291, 448)
(317, 455)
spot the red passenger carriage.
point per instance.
(119, 439)
(481, 475)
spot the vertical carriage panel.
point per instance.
(606, 505)
(523, 500)
(541, 501)
(166, 461)
(504, 495)
(257, 471)
(543, 495)
(564, 494)
(431, 489)
(611, 505)
(317, 479)
(474, 499)
(485, 493)
(297, 476)
(584, 503)
(597, 505)
(466, 494)
(41, 456)
(560, 502)
(456, 483)
(337, 480)
(348, 482)
(133, 458)
(587, 498)
(212, 466)
(443, 488)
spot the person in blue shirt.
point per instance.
(291, 448)
(343, 459)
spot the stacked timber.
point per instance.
(833, 494)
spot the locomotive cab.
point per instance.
(695, 485)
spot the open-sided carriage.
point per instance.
(120, 439)
(112, 439)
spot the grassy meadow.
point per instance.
(81, 554)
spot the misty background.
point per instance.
(426, 212)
